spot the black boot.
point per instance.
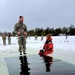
(20, 52)
(24, 52)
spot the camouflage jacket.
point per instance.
(20, 28)
(3, 36)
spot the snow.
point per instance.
(62, 43)
(64, 49)
(33, 46)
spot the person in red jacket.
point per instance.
(48, 46)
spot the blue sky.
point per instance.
(37, 13)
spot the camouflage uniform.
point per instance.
(29, 36)
(35, 37)
(41, 37)
(21, 27)
(4, 38)
(9, 39)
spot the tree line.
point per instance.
(55, 32)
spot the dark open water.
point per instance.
(36, 65)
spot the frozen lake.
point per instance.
(36, 65)
(64, 50)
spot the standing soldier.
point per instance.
(35, 37)
(21, 30)
(9, 39)
(29, 36)
(41, 37)
(66, 36)
(4, 38)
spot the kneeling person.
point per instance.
(48, 46)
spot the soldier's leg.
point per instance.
(10, 42)
(24, 45)
(20, 44)
(4, 41)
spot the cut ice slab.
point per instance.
(36, 65)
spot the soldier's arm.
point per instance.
(25, 29)
(15, 29)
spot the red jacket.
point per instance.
(48, 46)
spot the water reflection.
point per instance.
(24, 66)
(48, 62)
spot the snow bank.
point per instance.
(3, 67)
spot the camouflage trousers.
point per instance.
(9, 41)
(22, 43)
(4, 41)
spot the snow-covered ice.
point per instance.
(64, 49)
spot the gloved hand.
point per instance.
(25, 33)
(18, 33)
